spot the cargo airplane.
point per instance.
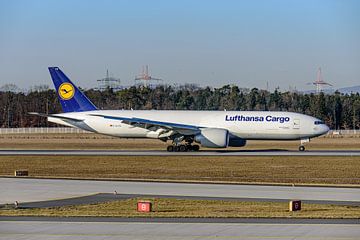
(212, 129)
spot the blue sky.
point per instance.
(205, 42)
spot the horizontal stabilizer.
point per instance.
(55, 116)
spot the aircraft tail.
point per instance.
(70, 97)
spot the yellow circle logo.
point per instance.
(66, 91)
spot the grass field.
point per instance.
(193, 208)
(96, 141)
(278, 169)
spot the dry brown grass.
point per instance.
(74, 141)
(96, 141)
(193, 208)
(277, 169)
(319, 170)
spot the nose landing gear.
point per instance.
(302, 141)
(301, 148)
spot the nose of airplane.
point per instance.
(324, 129)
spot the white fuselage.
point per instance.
(240, 124)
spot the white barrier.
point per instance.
(344, 132)
(41, 130)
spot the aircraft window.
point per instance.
(319, 122)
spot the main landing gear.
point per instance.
(182, 143)
(182, 148)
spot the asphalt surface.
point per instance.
(39, 230)
(35, 190)
(107, 197)
(269, 152)
(182, 220)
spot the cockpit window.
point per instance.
(318, 122)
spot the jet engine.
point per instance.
(213, 138)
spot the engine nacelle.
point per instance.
(213, 138)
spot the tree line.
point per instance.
(339, 111)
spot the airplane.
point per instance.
(183, 128)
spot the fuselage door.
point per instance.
(296, 124)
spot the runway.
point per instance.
(39, 230)
(286, 221)
(35, 190)
(270, 152)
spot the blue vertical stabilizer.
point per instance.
(70, 97)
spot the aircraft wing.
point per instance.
(168, 127)
(147, 123)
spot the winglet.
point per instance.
(70, 97)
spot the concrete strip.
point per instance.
(150, 230)
(34, 190)
(183, 220)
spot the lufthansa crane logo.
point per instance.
(66, 91)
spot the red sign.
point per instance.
(144, 206)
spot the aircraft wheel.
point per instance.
(182, 148)
(302, 148)
(195, 148)
(176, 149)
(189, 147)
(170, 148)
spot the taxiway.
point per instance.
(34, 190)
(169, 230)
